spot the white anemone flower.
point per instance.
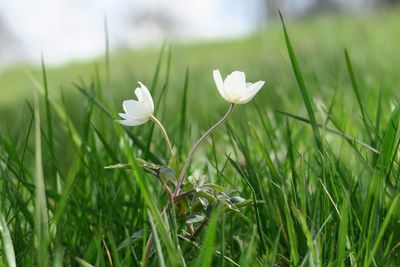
(137, 112)
(234, 89)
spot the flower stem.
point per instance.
(196, 146)
(164, 134)
(164, 185)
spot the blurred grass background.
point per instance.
(371, 39)
(304, 192)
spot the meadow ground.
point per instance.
(305, 174)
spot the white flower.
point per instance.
(234, 89)
(140, 111)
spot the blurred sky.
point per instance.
(65, 30)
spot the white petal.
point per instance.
(219, 83)
(124, 116)
(234, 85)
(251, 91)
(235, 80)
(134, 109)
(131, 122)
(138, 93)
(147, 97)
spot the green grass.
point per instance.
(314, 156)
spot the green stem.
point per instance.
(164, 133)
(196, 146)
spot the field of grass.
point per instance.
(307, 174)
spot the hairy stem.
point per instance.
(196, 146)
(164, 133)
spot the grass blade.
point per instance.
(328, 129)
(156, 239)
(365, 118)
(7, 242)
(256, 208)
(48, 108)
(385, 224)
(41, 218)
(182, 124)
(342, 236)
(144, 187)
(207, 249)
(248, 257)
(302, 86)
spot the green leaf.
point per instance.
(167, 171)
(214, 187)
(207, 196)
(151, 167)
(195, 218)
(244, 203)
(188, 186)
(118, 166)
(236, 200)
(204, 202)
(192, 180)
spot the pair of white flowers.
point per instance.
(233, 89)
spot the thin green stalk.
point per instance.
(197, 145)
(8, 248)
(164, 132)
(41, 217)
